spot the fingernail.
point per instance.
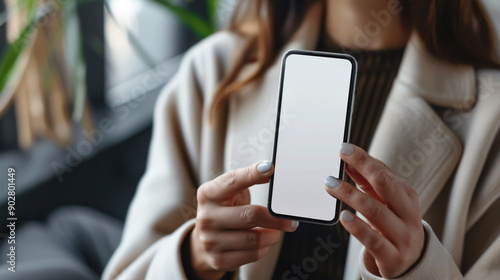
(346, 216)
(295, 224)
(264, 166)
(346, 149)
(332, 182)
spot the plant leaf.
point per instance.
(193, 21)
(212, 12)
(11, 54)
(29, 4)
(13, 50)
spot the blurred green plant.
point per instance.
(11, 54)
(14, 49)
(196, 23)
(36, 12)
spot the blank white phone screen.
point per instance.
(315, 94)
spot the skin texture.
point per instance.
(393, 235)
(229, 232)
(377, 20)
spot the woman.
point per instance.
(425, 107)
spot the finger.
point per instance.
(379, 216)
(354, 174)
(242, 217)
(389, 187)
(233, 182)
(362, 183)
(376, 244)
(237, 240)
(232, 260)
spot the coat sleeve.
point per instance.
(436, 263)
(163, 208)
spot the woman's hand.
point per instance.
(394, 236)
(229, 232)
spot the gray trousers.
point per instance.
(74, 243)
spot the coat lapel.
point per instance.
(411, 137)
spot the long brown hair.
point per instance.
(455, 31)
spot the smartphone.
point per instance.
(317, 90)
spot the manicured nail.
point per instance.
(346, 149)
(332, 182)
(264, 166)
(346, 216)
(295, 224)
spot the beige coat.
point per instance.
(439, 131)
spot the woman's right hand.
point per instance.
(229, 231)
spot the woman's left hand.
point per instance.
(394, 236)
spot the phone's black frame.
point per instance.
(347, 129)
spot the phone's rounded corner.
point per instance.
(289, 52)
(270, 209)
(277, 215)
(337, 212)
(322, 222)
(353, 61)
(334, 221)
